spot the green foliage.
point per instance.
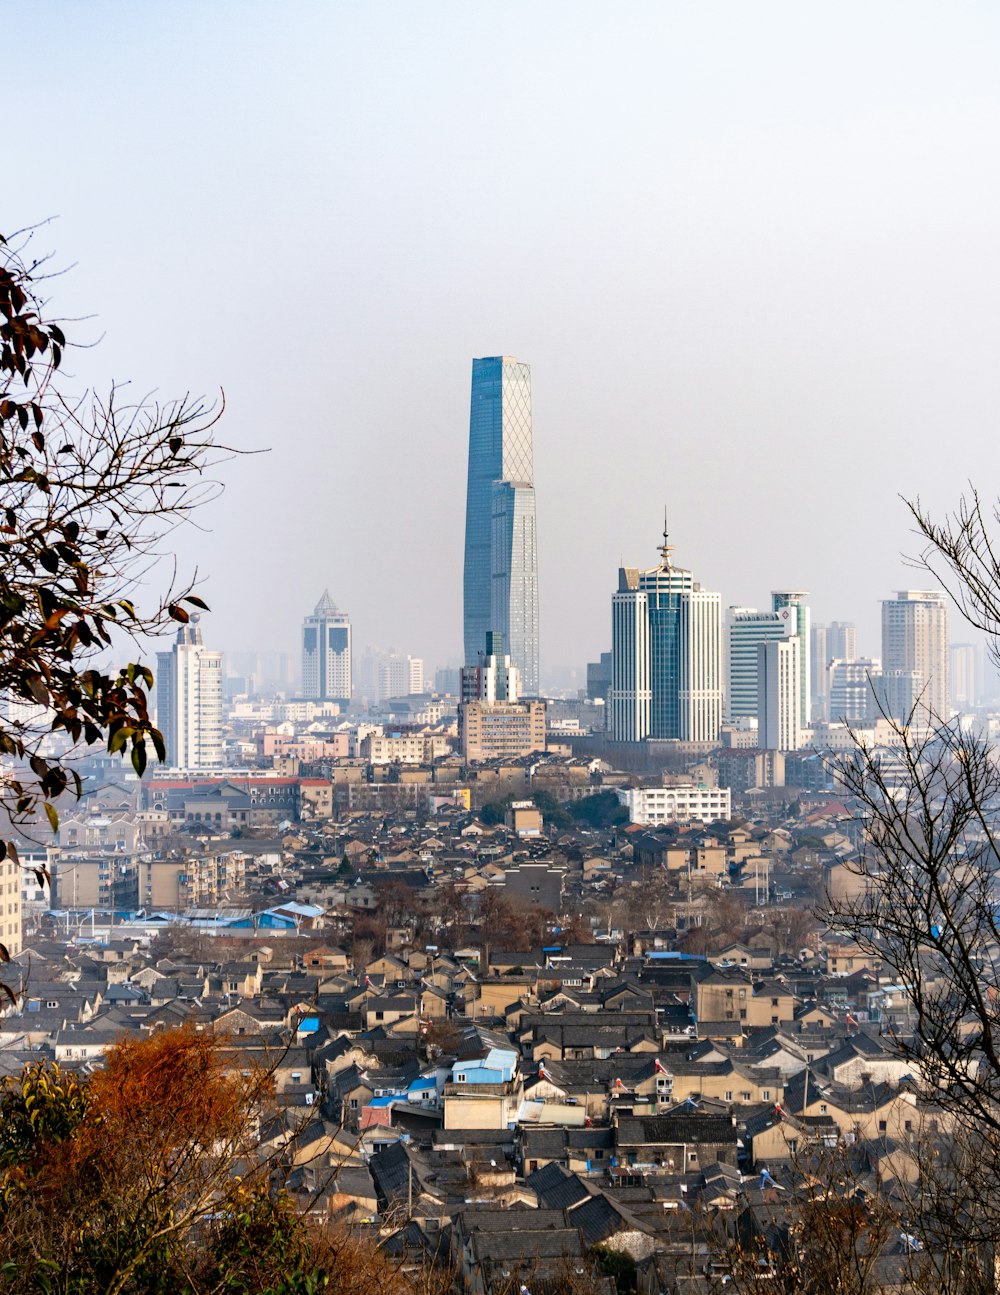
(553, 812)
(258, 1235)
(618, 1265)
(44, 1107)
(494, 811)
(600, 811)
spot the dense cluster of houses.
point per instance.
(651, 1086)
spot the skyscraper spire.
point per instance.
(666, 548)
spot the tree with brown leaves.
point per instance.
(89, 488)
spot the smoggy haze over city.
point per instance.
(749, 251)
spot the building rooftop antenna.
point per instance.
(666, 548)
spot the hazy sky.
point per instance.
(749, 249)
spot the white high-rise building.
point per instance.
(629, 695)
(326, 653)
(791, 604)
(746, 629)
(779, 694)
(837, 641)
(915, 638)
(189, 701)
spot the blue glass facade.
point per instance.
(665, 591)
(501, 567)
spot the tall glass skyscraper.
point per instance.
(501, 560)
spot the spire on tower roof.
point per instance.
(326, 605)
(666, 548)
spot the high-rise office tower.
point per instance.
(189, 701)
(915, 638)
(501, 560)
(629, 695)
(326, 653)
(791, 604)
(746, 629)
(779, 694)
(682, 623)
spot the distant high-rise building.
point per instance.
(779, 694)
(915, 638)
(326, 653)
(896, 694)
(666, 629)
(836, 641)
(189, 701)
(819, 661)
(629, 695)
(965, 674)
(501, 560)
(599, 678)
(852, 700)
(448, 679)
(842, 641)
(791, 603)
(399, 675)
(746, 629)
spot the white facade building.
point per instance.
(629, 695)
(779, 694)
(791, 604)
(326, 653)
(915, 637)
(189, 701)
(701, 666)
(681, 803)
(850, 690)
(746, 629)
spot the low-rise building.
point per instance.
(679, 803)
(500, 731)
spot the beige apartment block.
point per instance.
(409, 748)
(10, 906)
(501, 731)
(190, 882)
